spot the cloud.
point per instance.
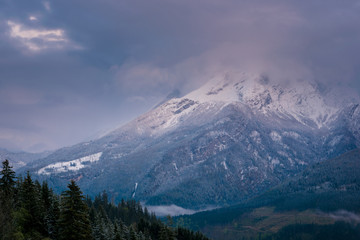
(72, 68)
(47, 6)
(38, 39)
(32, 18)
(345, 216)
(171, 210)
(137, 99)
(142, 79)
(12, 95)
(287, 38)
(174, 210)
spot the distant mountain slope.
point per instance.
(322, 188)
(230, 140)
(20, 159)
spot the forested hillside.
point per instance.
(306, 205)
(31, 210)
(329, 185)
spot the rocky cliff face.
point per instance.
(229, 140)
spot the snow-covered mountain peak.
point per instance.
(221, 88)
(299, 100)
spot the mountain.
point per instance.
(330, 185)
(322, 194)
(232, 139)
(20, 159)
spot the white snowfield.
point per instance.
(73, 165)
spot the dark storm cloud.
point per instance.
(71, 68)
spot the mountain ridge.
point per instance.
(233, 138)
(20, 159)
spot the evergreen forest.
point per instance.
(31, 210)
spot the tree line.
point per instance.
(31, 210)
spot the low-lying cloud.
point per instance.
(346, 216)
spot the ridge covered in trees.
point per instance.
(303, 207)
(31, 210)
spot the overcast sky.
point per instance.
(70, 70)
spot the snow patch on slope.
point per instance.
(224, 165)
(275, 136)
(136, 185)
(73, 165)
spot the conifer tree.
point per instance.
(30, 209)
(98, 229)
(7, 180)
(117, 232)
(164, 233)
(52, 217)
(132, 233)
(7, 190)
(74, 220)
